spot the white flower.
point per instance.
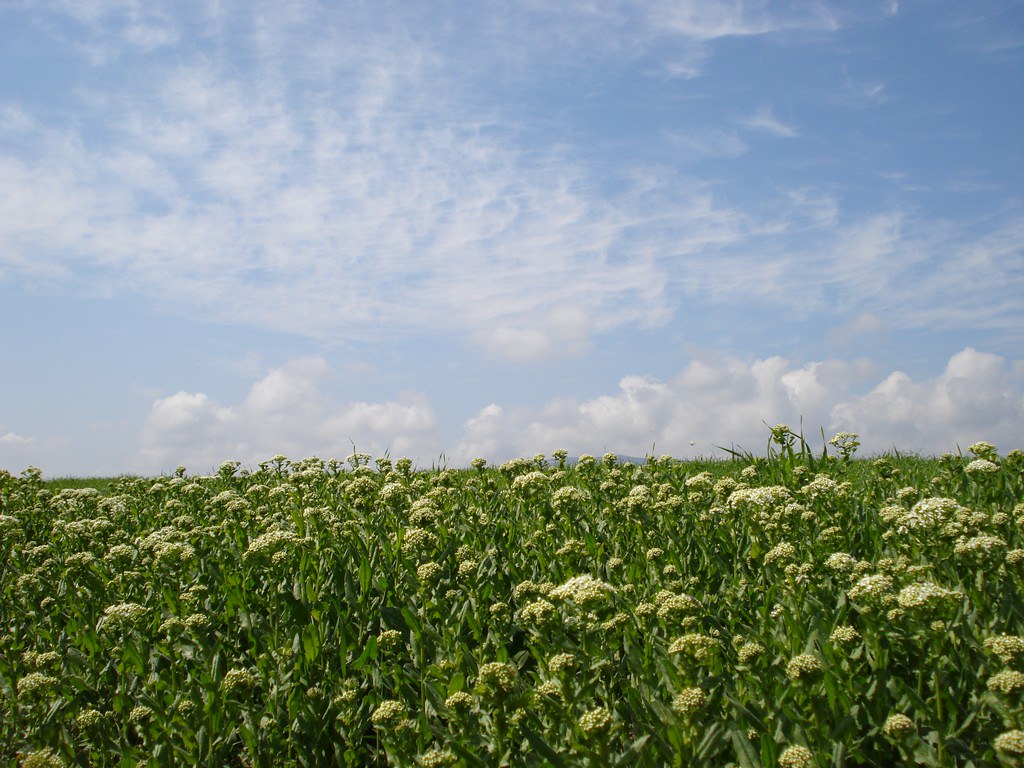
(980, 467)
(796, 757)
(924, 594)
(583, 590)
(897, 725)
(595, 720)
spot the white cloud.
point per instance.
(724, 401)
(14, 120)
(858, 92)
(707, 142)
(977, 397)
(564, 331)
(864, 324)
(704, 21)
(631, 29)
(356, 185)
(13, 439)
(715, 401)
(284, 412)
(142, 25)
(17, 451)
(377, 215)
(765, 120)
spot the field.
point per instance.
(798, 609)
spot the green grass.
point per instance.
(102, 484)
(798, 609)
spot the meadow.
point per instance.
(799, 608)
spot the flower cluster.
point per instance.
(583, 590)
(595, 720)
(239, 681)
(498, 677)
(1010, 742)
(41, 758)
(1007, 681)
(569, 497)
(749, 650)
(416, 539)
(872, 590)
(428, 571)
(460, 701)
(538, 611)
(981, 467)
(37, 684)
(803, 666)
(795, 756)
(677, 605)
(435, 758)
(897, 726)
(122, 616)
(927, 595)
(388, 714)
(781, 551)
(844, 635)
(695, 645)
(1009, 648)
(274, 543)
(689, 700)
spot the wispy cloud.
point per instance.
(707, 142)
(711, 21)
(366, 223)
(861, 91)
(991, 29)
(765, 120)
(863, 325)
(564, 331)
(357, 185)
(106, 29)
(383, 212)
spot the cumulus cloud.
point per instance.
(11, 438)
(725, 401)
(283, 412)
(17, 451)
(977, 397)
(50, 453)
(716, 401)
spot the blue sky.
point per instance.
(235, 229)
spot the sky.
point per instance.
(236, 229)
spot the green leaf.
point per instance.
(369, 652)
(365, 574)
(394, 618)
(745, 752)
(631, 755)
(545, 750)
(456, 684)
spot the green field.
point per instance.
(800, 609)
